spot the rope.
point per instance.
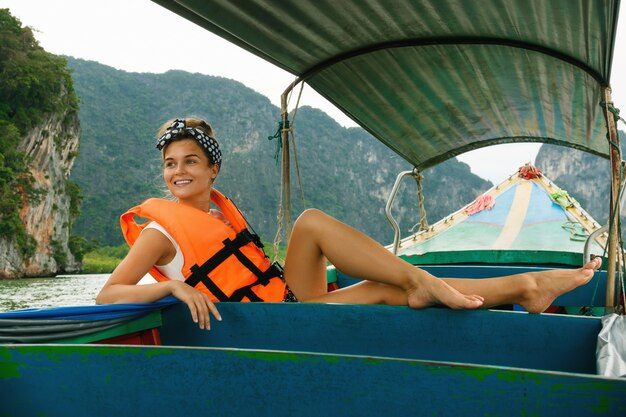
(279, 228)
(576, 231)
(419, 178)
(610, 107)
(293, 141)
(278, 137)
(287, 128)
(616, 217)
(589, 311)
(423, 223)
(621, 290)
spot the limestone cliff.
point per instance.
(584, 176)
(50, 148)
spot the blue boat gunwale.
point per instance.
(73, 348)
(491, 337)
(120, 379)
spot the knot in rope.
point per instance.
(615, 111)
(419, 179)
(610, 107)
(278, 136)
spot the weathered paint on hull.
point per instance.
(81, 380)
(500, 338)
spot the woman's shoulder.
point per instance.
(153, 225)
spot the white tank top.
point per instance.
(173, 269)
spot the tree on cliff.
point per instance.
(33, 83)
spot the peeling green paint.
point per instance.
(56, 352)
(5, 354)
(473, 372)
(604, 405)
(11, 369)
(270, 356)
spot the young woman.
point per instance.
(214, 251)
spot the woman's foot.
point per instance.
(545, 287)
(429, 291)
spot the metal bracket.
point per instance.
(394, 224)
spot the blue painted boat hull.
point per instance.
(306, 359)
(166, 381)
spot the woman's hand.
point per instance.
(198, 302)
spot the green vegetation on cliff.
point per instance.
(32, 84)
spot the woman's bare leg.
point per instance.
(390, 280)
(534, 291)
(317, 237)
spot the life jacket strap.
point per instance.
(274, 271)
(200, 273)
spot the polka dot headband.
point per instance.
(179, 128)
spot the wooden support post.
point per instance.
(614, 209)
(286, 176)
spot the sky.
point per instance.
(141, 36)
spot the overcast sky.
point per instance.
(141, 36)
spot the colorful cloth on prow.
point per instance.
(563, 199)
(529, 172)
(482, 202)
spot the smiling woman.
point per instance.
(185, 162)
(202, 256)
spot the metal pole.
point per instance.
(392, 196)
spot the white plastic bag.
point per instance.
(611, 347)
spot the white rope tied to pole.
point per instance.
(419, 178)
(284, 204)
(423, 222)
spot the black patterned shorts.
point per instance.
(289, 296)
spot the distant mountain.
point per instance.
(344, 171)
(586, 177)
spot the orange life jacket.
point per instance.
(226, 263)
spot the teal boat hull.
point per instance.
(55, 380)
(283, 359)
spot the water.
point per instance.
(63, 290)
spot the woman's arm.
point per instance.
(153, 247)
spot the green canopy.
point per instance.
(435, 78)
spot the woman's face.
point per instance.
(187, 173)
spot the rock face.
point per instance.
(584, 176)
(51, 148)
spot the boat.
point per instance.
(431, 79)
(525, 220)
